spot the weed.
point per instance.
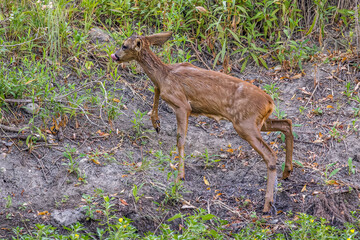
(272, 90)
(209, 161)
(327, 175)
(90, 206)
(73, 165)
(352, 169)
(302, 109)
(349, 90)
(317, 111)
(138, 125)
(8, 200)
(135, 192)
(334, 133)
(279, 113)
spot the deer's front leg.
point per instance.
(182, 116)
(154, 112)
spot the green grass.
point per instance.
(201, 225)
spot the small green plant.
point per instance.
(135, 192)
(302, 109)
(90, 206)
(138, 125)
(317, 111)
(209, 160)
(173, 191)
(73, 165)
(272, 90)
(279, 113)
(23, 207)
(8, 200)
(327, 175)
(334, 133)
(352, 169)
(349, 90)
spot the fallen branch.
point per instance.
(11, 129)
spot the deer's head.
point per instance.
(132, 46)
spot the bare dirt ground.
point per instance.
(40, 181)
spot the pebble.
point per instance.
(3, 156)
(68, 217)
(31, 108)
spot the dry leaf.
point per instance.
(329, 106)
(188, 207)
(43, 213)
(316, 192)
(174, 167)
(95, 161)
(304, 189)
(201, 9)
(102, 133)
(116, 100)
(123, 202)
(332, 182)
(206, 181)
(297, 76)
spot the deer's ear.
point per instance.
(159, 39)
(138, 44)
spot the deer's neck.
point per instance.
(153, 66)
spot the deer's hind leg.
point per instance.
(251, 133)
(285, 126)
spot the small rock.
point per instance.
(3, 156)
(223, 155)
(100, 36)
(50, 139)
(68, 216)
(2, 169)
(277, 68)
(83, 160)
(273, 221)
(8, 144)
(32, 108)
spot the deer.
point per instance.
(193, 91)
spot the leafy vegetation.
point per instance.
(201, 225)
(48, 58)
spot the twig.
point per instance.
(10, 139)
(337, 78)
(312, 94)
(199, 57)
(11, 129)
(41, 164)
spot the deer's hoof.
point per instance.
(286, 174)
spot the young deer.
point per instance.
(190, 90)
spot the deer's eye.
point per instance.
(124, 47)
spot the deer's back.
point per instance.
(218, 95)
